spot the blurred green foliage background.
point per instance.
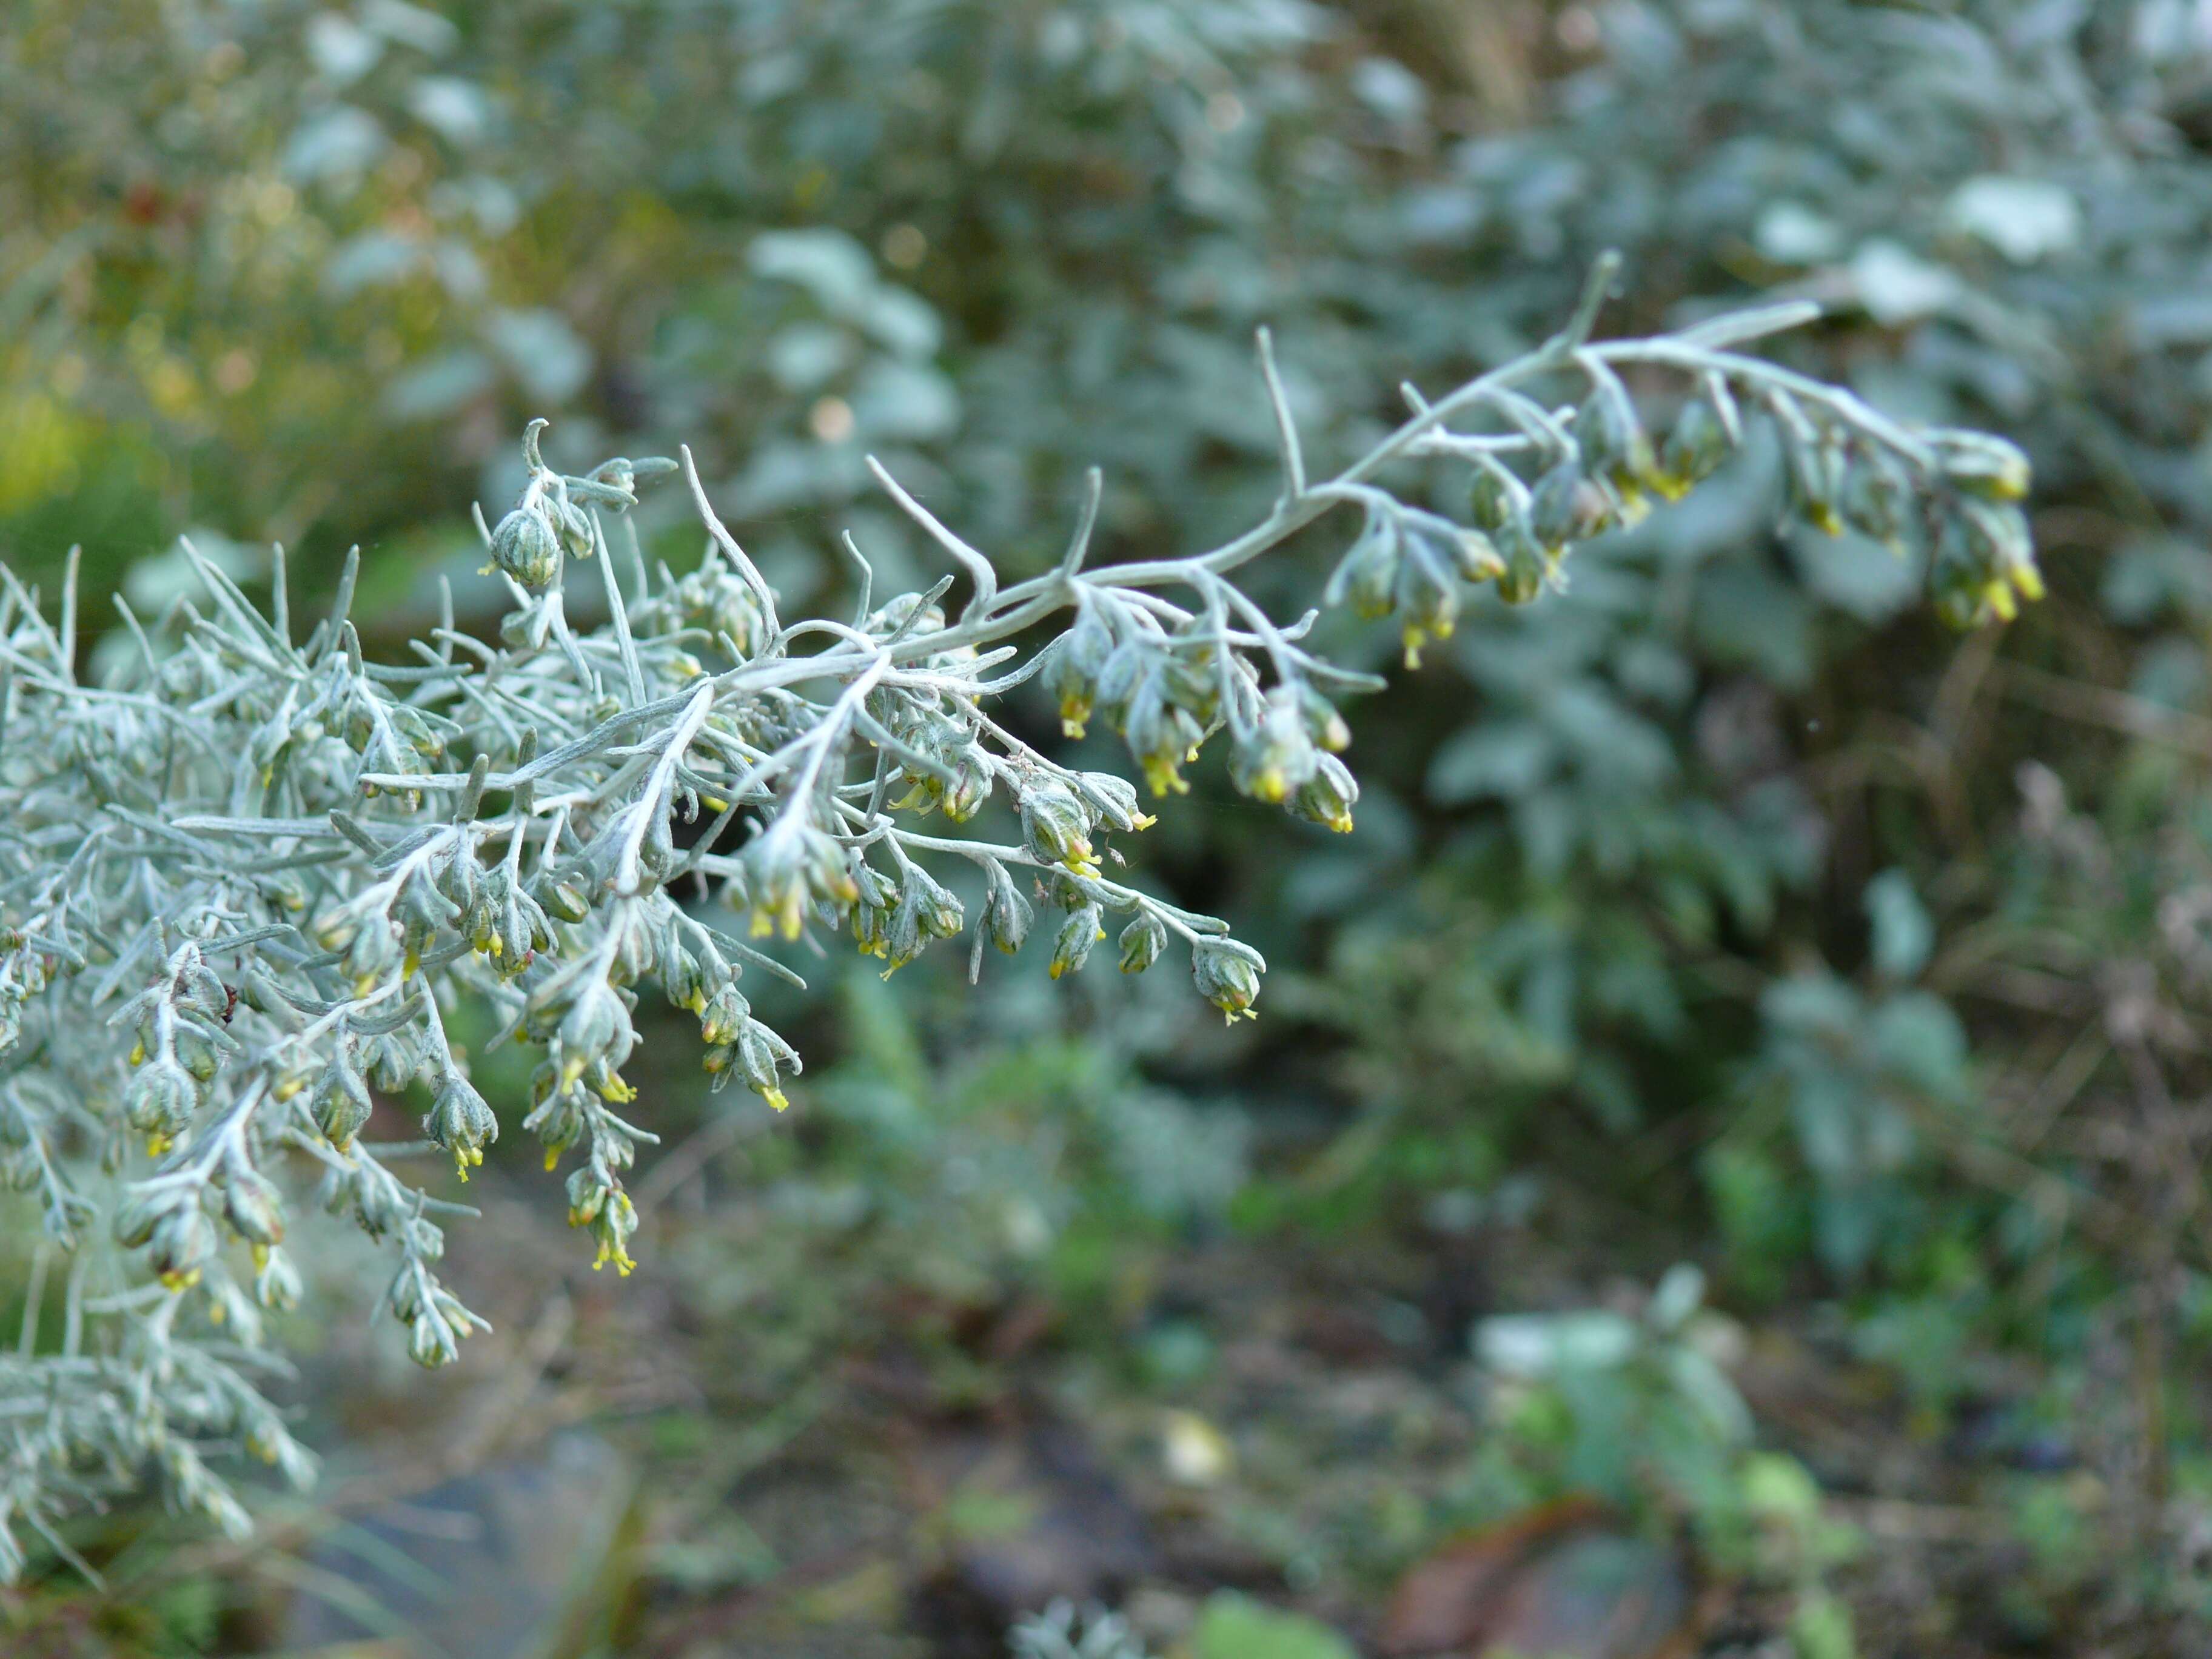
(1723, 910)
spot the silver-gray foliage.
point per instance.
(246, 878)
(1062, 1633)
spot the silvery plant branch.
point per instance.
(249, 875)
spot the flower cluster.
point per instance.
(248, 876)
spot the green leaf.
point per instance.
(1488, 761)
(1776, 1484)
(1903, 934)
(827, 264)
(896, 400)
(1918, 1037)
(1855, 574)
(2024, 219)
(1897, 286)
(1822, 1628)
(336, 143)
(542, 353)
(1746, 616)
(438, 386)
(1233, 1626)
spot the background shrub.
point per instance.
(1720, 907)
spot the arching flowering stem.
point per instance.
(246, 878)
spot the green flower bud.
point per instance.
(870, 920)
(557, 1119)
(526, 545)
(1323, 724)
(1274, 760)
(934, 907)
(638, 941)
(1815, 474)
(1084, 928)
(276, 1282)
(253, 1206)
(340, 1103)
(973, 774)
(1367, 576)
(1162, 737)
(1227, 974)
(1570, 506)
(612, 1226)
(1491, 500)
(182, 1241)
(1476, 557)
(565, 897)
(1528, 568)
(160, 1101)
(1006, 913)
(1428, 593)
(574, 525)
(459, 1122)
(1981, 463)
(1327, 796)
(720, 600)
(682, 977)
(430, 1340)
(413, 730)
(1985, 557)
(1693, 451)
(1125, 665)
(724, 1016)
(196, 1053)
(1078, 661)
(1955, 584)
(1876, 499)
(1114, 799)
(761, 1054)
(587, 1195)
(390, 1060)
(458, 878)
(203, 993)
(786, 865)
(1142, 941)
(903, 936)
(1055, 826)
(506, 924)
(1613, 444)
(143, 1209)
(596, 1028)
